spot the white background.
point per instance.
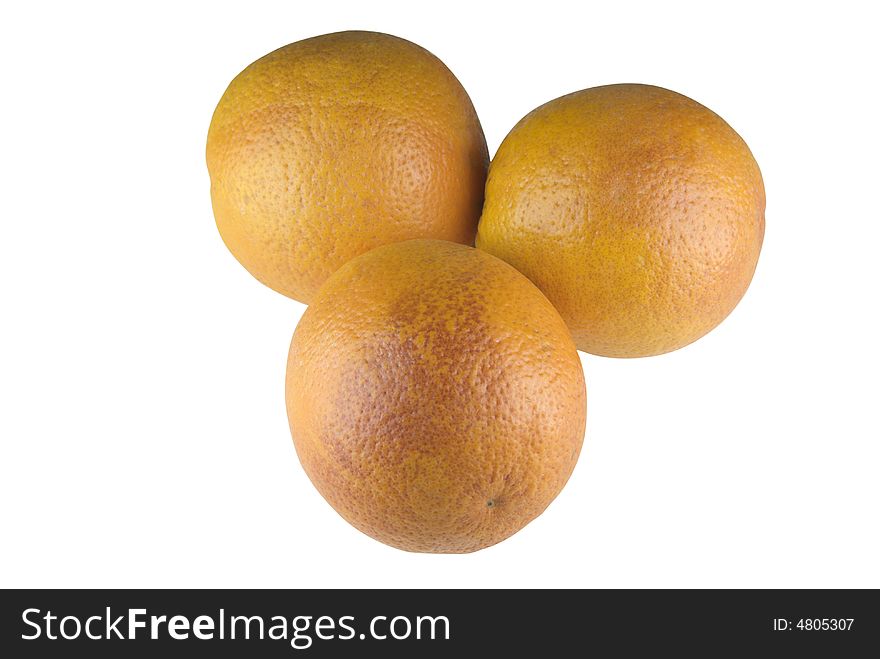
(142, 420)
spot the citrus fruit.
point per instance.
(331, 146)
(636, 210)
(435, 397)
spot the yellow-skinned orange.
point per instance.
(331, 146)
(636, 210)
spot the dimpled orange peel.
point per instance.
(328, 147)
(636, 210)
(435, 397)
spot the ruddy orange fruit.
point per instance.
(435, 397)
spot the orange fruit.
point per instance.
(435, 397)
(331, 146)
(636, 210)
